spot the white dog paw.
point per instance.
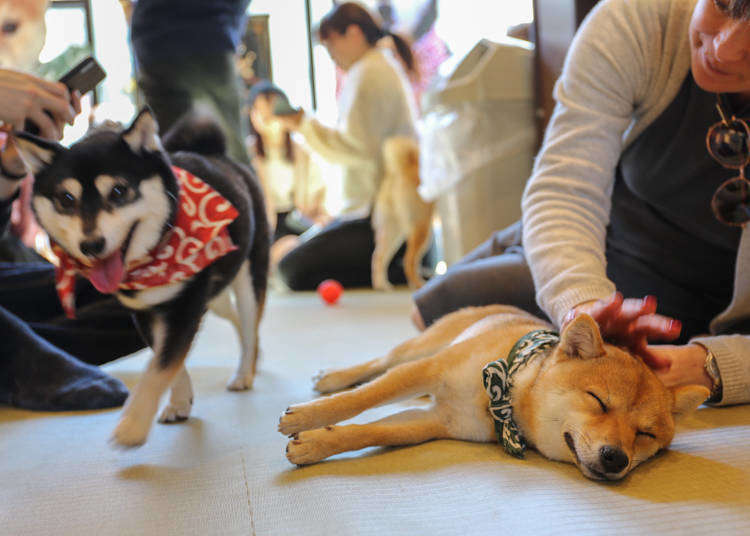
(241, 382)
(130, 432)
(304, 449)
(296, 419)
(175, 412)
(328, 382)
(382, 284)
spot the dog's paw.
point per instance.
(296, 419)
(175, 412)
(382, 284)
(330, 381)
(304, 449)
(130, 432)
(241, 382)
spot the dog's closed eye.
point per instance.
(604, 407)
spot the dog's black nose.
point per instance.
(613, 459)
(92, 248)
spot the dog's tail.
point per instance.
(199, 132)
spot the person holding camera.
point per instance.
(37, 367)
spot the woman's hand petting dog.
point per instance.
(632, 323)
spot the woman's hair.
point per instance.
(267, 88)
(739, 9)
(344, 15)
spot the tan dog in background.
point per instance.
(23, 33)
(400, 214)
(587, 403)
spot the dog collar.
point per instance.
(199, 236)
(498, 381)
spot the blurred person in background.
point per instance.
(184, 53)
(376, 103)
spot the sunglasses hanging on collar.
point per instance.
(728, 142)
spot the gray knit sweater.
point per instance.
(625, 66)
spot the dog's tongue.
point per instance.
(107, 274)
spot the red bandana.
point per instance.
(198, 238)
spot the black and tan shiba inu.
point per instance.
(575, 399)
(169, 229)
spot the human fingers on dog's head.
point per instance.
(605, 310)
(656, 328)
(633, 308)
(600, 310)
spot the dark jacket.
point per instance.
(160, 28)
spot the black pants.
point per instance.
(37, 343)
(102, 331)
(342, 250)
(171, 86)
(494, 272)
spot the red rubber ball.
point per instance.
(330, 291)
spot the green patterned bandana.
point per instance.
(498, 380)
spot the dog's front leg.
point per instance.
(171, 338)
(180, 399)
(406, 428)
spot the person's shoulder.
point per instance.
(377, 67)
(637, 23)
(645, 10)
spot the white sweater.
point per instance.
(376, 103)
(625, 66)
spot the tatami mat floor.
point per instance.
(224, 470)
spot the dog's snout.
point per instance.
(613, 459)
(92, 248)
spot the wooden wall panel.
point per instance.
(555, 24)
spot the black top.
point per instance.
(663, 238)
(164, 27)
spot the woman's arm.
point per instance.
(687, 365)
(373, 105)
(566, 203)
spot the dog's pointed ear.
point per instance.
(582, 339)
(687, 398)
(35, 152)
(142, 136)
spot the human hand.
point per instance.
(632, 323)
(26, 97)
(685, 365)
(291, 121)
(12, 167)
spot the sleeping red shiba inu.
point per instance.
(573, 398)
(171, 230)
